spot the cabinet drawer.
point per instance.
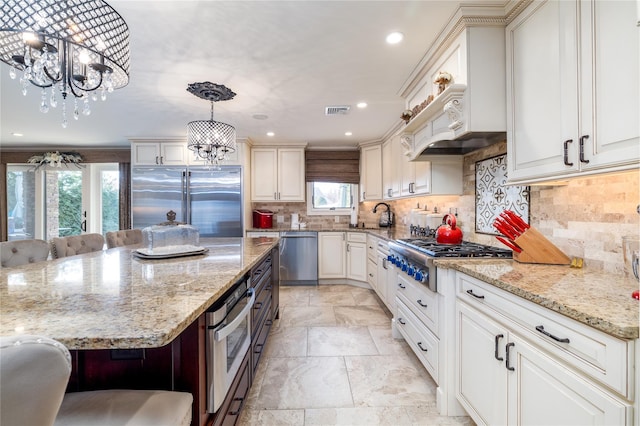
(420, 300)
(261, 305)
(259, 271)
(229, 412)
(372, 248)
(372, 273)
(422, 341)
(260, 338)
(357, 237)
(597, 354)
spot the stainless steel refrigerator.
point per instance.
(206, 197)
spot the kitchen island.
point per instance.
(129, 322)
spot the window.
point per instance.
(329, 198)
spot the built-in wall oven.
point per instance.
(228, 339)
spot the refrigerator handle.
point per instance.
(183, 202)
(188, 219)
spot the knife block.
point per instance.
(536, 248)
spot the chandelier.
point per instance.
(77, 47)
(211, 140)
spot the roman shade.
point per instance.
(332, 166)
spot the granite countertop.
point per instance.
(113, 300)
(598, 299)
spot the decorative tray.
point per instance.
(168, 252)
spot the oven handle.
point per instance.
(223, 332)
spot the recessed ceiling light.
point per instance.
(270, 134)
(17, 134)
(395, 37)
(362, 105)
(260, 116)
(348, 133)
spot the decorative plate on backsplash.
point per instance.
(493, 195)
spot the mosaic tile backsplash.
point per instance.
(586, 218)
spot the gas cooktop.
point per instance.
(430, 247)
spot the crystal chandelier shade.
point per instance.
(77, 47)
(210, 140)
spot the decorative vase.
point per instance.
(441, 87)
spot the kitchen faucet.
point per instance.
(386, 219)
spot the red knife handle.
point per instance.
(518, 219)
(516, 227)
(505, 228)
(513, 246)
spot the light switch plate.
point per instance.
(280, 218)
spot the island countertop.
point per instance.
(595, 298)
(113, 300)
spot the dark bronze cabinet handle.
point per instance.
(495, 351)
(424, 305)
(400, 320)
(566, 152)
(477, 296)
(582, 138)
(508, 365)
(257, 305)
(401, 286)
(423, 349)
(541, 329)
(236, 412)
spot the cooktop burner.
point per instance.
(430, 247)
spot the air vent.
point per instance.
(337, 110)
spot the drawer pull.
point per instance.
(424, 305)
(257, 305)
(401, 285)
(477, 296)
(541, 329)
(495, 351)
(257, 272)
(423, 349)
(258, 349)
(401, 321)
(582, 159)
(235, 413)
(508, 365)
(566, 152)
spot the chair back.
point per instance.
(34, 372)
(124, 237)
(21, 252)
(76, 244)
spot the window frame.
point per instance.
(312, 211)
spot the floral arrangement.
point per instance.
(56, 159)
(442, 80)
(408, 114)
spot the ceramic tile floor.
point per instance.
(331, 360)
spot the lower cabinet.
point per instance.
(229, 412)
(342, 255)
(357, 256)
(507, 375)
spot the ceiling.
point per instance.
(287, 60)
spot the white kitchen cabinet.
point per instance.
(356, 256)
(331, 255)
(391, 172)
(371, 173)
(159, 153)
(535, 378)
(572, 66)
(416, 177)
(277, 174)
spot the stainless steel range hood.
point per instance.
(464, 144)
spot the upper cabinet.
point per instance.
(277, 174)
(150, 153)
(370, 172)
(572, 85)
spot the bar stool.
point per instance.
(124, 237)
(34, 373)
(21, 252)
(76, 244)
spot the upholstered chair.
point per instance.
(76, 244)
(34, 373)
(124, 237)
(20, 252)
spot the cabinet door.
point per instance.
(544, 392)
(542, 72)
(145, 154)
(291, 180)
(357, 261)
(173, 154)
(331, 255)
(422, 180)
(383, 277)
(481, 379)
(408, 176)
(387, 170)
(609, 77)
(264, 174)
(371, 173)
(396, 167)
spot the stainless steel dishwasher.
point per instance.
(298, 258)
